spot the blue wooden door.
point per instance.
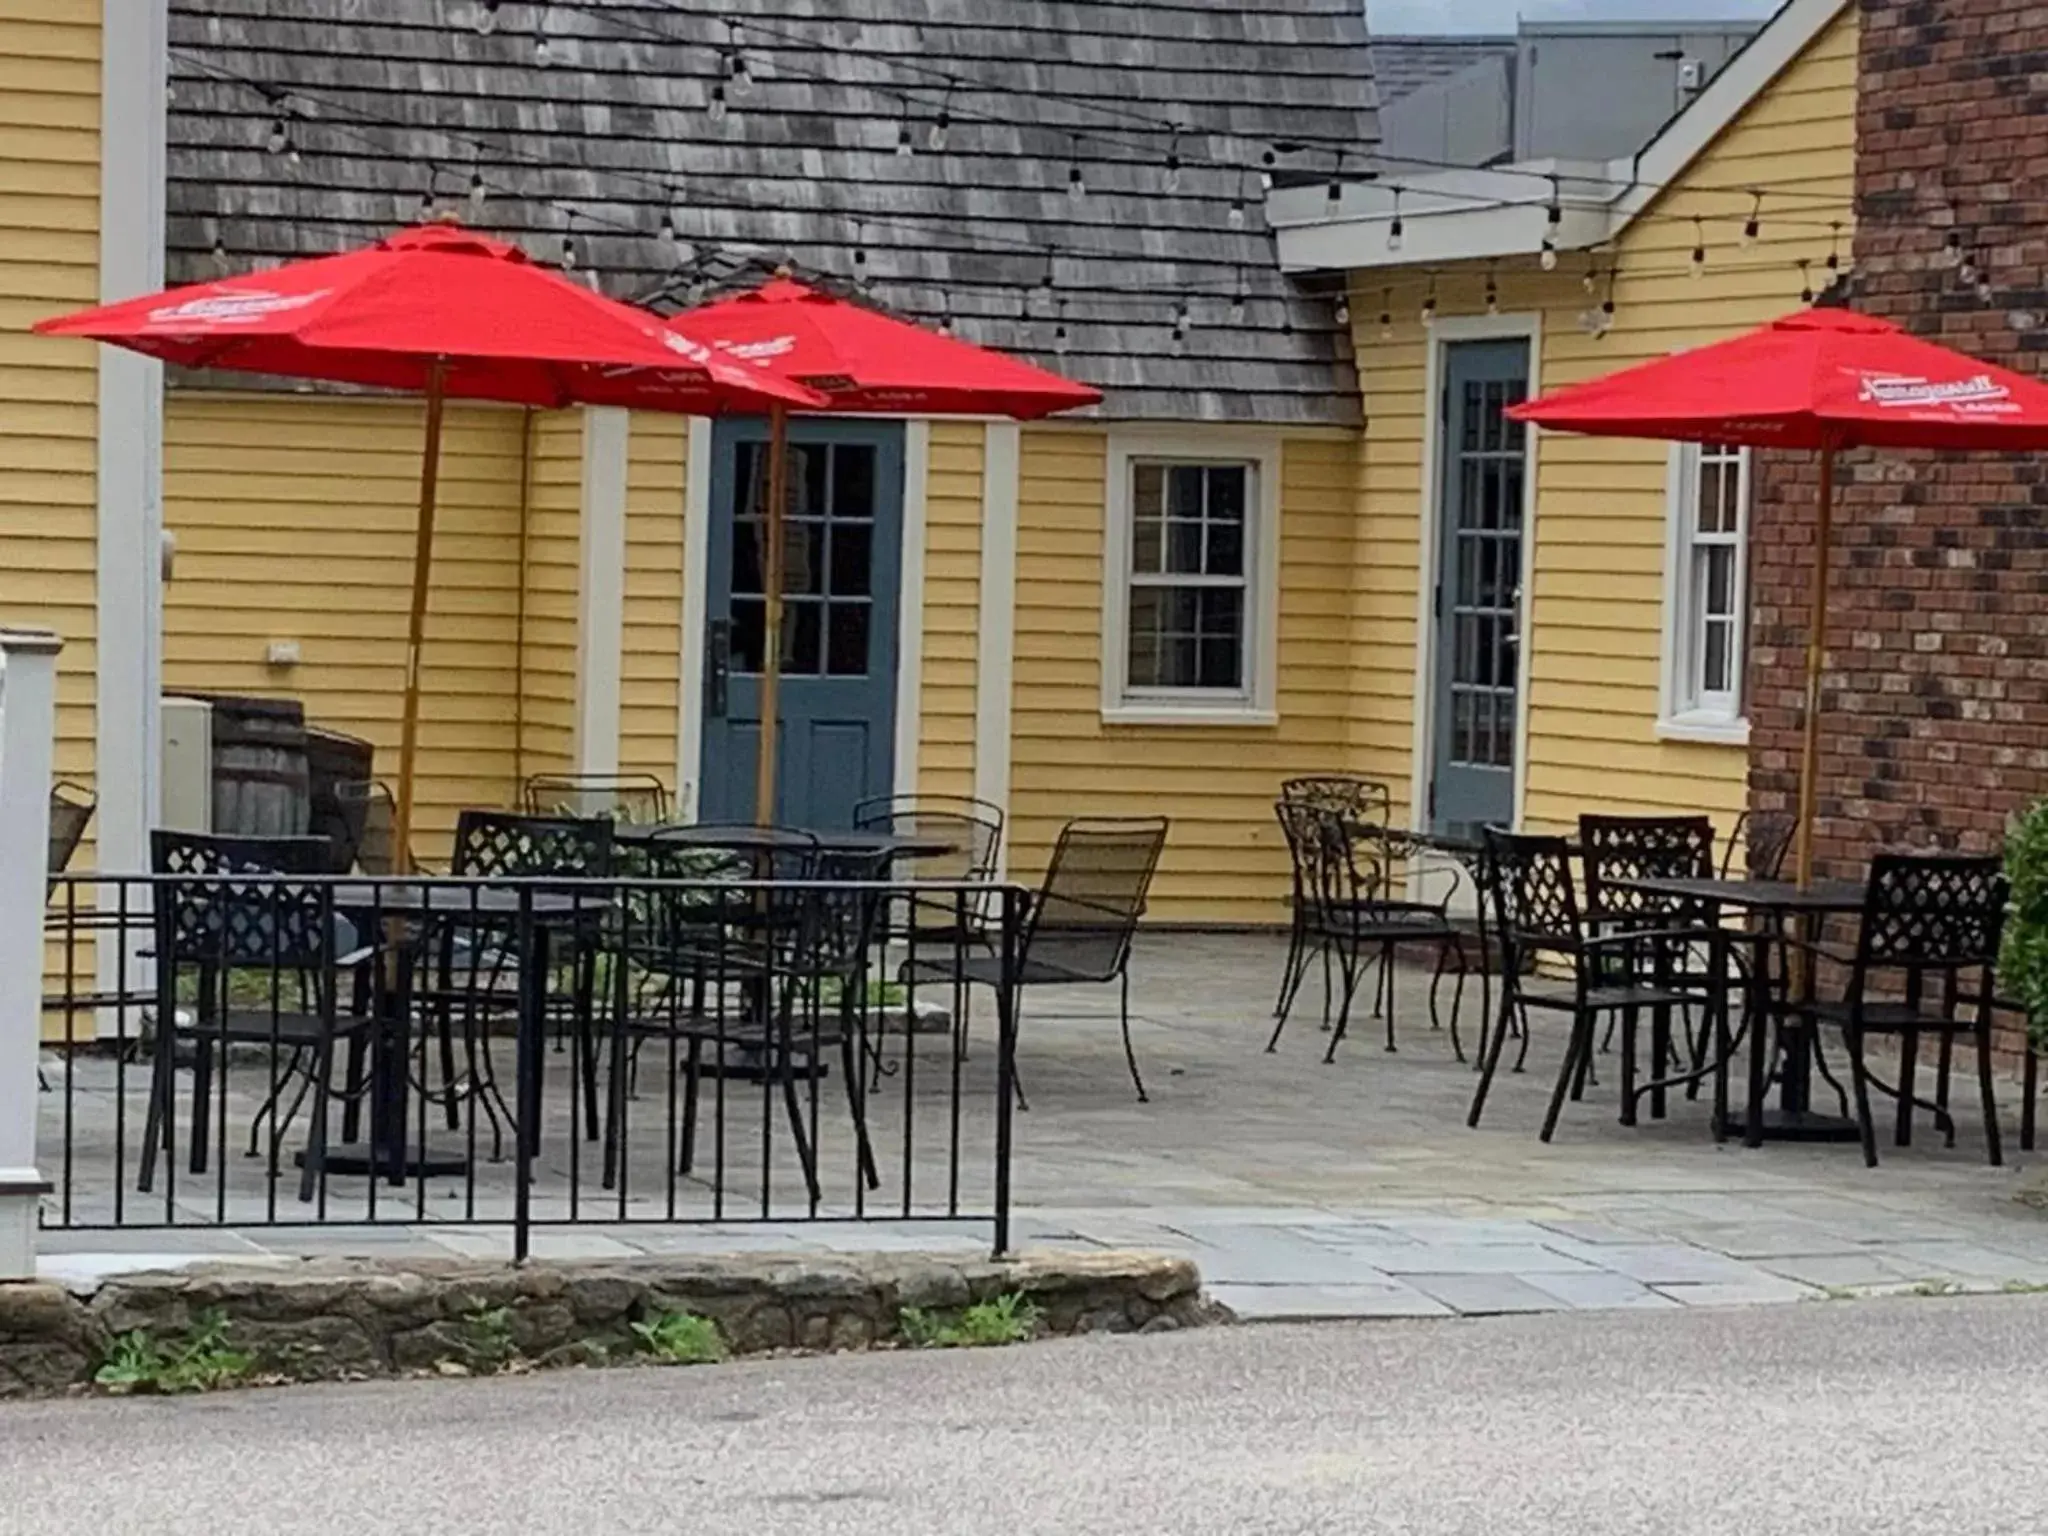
(1478, 704)
(843, 556)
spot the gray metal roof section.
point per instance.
(1404, 65)
(615, 130)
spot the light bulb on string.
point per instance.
(1591, 281)
(1834, 262)
(1387, 315)
(904, 148)
(1395, 230)
(220, 254)
(1077, 184)
(1805, 281)
(280, 138)
(1333, 195)
(1952, 248)
(736, 69)
(1698, 265)
(1492, 293)
(1985, 292)
(485, 19)
(1171, 182)
(1967, 271)
(1268, 158)
(543, 50)
(1237, 213)
(1343, 312)
(427, 208)
(568, 253)
(1060, 339)
(1548, 260)
(1753, 228)
(1182, 321)
(1238, 303)
(942, 124)
(478, 192)
(715, 108)
(668, 230)
(1429, 306)
(1553, 222)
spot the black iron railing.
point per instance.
(265, 1050)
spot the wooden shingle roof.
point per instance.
(384, 100)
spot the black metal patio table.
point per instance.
(389, 1151)
(884, 846)
(1772, 905)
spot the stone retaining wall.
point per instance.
(345, 1319)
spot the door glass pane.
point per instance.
(852, 544)
(853, 481)
(1148, 545)
(748, 615)
(746, 556)
(803, 555)
(802, 638)
(1142, 665)
(1148, 490)
(808, 465)
(846, 647)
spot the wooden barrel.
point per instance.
(260, 780)
(332, 760)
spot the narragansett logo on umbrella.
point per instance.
(234, 308)
(1908, 392)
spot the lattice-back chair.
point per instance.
(1929, 937)
(1347, 914)
(1757, 847)
(1627, 969)
(1354, 800)
(973, 831)
(368, 816)
(71, 808)
(224, 913)
(635, 799)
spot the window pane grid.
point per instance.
(1710, 584)
(1187, 585)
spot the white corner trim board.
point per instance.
(696, 597)
(601, 589)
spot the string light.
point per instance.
(543, 51)
(478, 192)
(715, 108)
(1607, 305)
(1343, 315)
(1591, 281)
(1968, 269)
(1268, 158)
(1333, 196)
(1060, 340)
(1172, 180)
(945, 314)
(486, 17)
(1394, 230)
(1985, 292)
(668, 229)
(1805, 281)
(1182, 321)
(1238, 303)
(1429, 306)
(428, 207)
(1387, 315)
(220, 254)
(569, 252)
(1077, 185)
(736, 71)
(1553, 218)
(280, 138)
(941, 124)
(903, 146)
(1699, 250)
(1835, 247)
(860, 256)
(1237, 212)
(1753, 229)
(1492, 292)
(1952, 248)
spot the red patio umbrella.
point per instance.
(447, 313)
(864, 363)
(1822, 379)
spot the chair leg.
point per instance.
(1290, 973)
(1576, 1055)
(353, 1059)
(1348, 965)
(202, 1102)
(1627, 1024)
(1660, 1060)
(314, 1165)
(1860, 1078)
(2030, 1086)
(1387, 987)
(693, 1071)
(156, 1123)
(1491, 1057)
(1993, 1146)
(1299, 959)
(850, 1047)
(1909, 1071)
(1130, 1056)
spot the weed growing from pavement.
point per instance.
(202, 1361)
(681, 1338)
(1009, 1319)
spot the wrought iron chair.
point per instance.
(973, 827)
(1617, 849)
(216, 921)
(1080, 923)
(1365, 802)
(1626, 970)
(1343, 874)
(1929, 937)
(638, 799)
(1761, 842)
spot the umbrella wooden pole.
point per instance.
(771, 628)
(416, 631)
(1816, 650)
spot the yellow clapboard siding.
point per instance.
(653, 618)
(294, 517)
(1223, 856)
(1598, 552)
(49, 421)
(551, 560)
(952, 608)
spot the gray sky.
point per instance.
(1393, 16)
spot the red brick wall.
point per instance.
(1934, 722)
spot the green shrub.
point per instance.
(682, 1338)
(1009, 1319)
(2023, 964)
(200, 1362)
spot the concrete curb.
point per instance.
(338, 1319)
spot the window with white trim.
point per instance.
(1708, 587)
(1186, 599)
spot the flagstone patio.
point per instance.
(1302, 1189)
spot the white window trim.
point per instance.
(1259, 705)
(1713, 726)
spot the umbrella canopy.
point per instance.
(444, 312)
(867, 362)
(1822, 378)
(495, 325)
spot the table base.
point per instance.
(361, 1160)
(1794, 1125)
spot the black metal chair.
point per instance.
(1761, 842)
(1929, 937)
(1344, 876)
(1080, 923)
(226, 914)
(366, 813)
(1361, 801)
(637, 799)
(973, 827)
(1611, 970)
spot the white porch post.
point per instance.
(994, 660)
(28, 732)
(130, 605)
(601, 590)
